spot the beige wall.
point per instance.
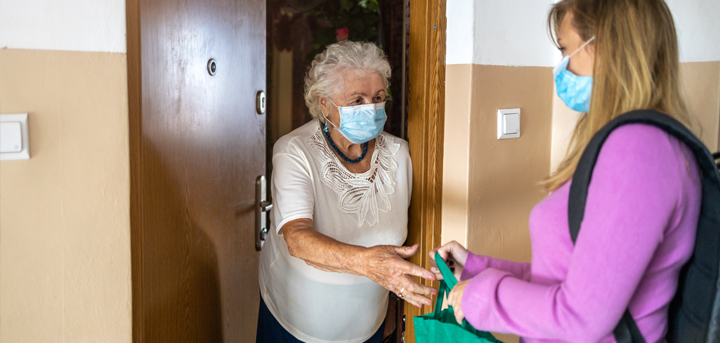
(504, 174)
(701, 84)
(490, 185)
(64, 213)
(456, 158)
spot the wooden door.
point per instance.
(197, 145)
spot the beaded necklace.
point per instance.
(332, 144)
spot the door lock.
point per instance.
(262, 208)
(212, 66)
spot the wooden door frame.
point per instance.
(134, 66)
(426, 125)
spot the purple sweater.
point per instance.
(639, 229)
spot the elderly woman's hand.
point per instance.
(386, 265)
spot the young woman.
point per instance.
(642, 205)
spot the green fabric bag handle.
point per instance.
(439, 299)
(450, 279)
(446, 285)
(440, 326)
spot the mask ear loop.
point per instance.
(584, 45)
(328, 119)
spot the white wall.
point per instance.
(460, 32)
(696, 22)
(514, 32)
(78, 25)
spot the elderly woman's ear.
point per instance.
(325, 105)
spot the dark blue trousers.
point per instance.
(269, 329)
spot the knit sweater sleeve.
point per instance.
(476, 264)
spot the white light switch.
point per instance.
(508, 123)
(14, 141)
(10, 137)
(512, 124)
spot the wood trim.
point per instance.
(134, 66)
(426, 123)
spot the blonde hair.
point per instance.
(636, 66)
(324, 77)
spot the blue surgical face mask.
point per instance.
(361, 123)
(574, 90)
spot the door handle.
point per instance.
(260, 102)
(262, 207)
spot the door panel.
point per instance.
(201, 145)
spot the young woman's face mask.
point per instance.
(361, 123)
(574, 90)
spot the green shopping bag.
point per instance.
(440, 325)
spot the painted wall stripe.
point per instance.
(696, 22)
(513, 32)
(460, 31)
(78, 25)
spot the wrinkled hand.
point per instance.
(455, 300)
(455, 256)
(386, 265)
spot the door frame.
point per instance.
(134, 66)
(425, 121)
(426, 132)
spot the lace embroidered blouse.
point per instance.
(364, 209)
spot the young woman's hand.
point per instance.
(455, 300)
(455, 256)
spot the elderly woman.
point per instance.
(341, 190)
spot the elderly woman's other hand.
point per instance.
(386, 265)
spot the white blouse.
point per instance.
(364, 209)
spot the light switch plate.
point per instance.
(508, 123)
(14, 139)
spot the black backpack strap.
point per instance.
(627, 330)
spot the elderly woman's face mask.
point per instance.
(361, 123)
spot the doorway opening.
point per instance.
(296, 32)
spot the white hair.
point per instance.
(324, 77)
